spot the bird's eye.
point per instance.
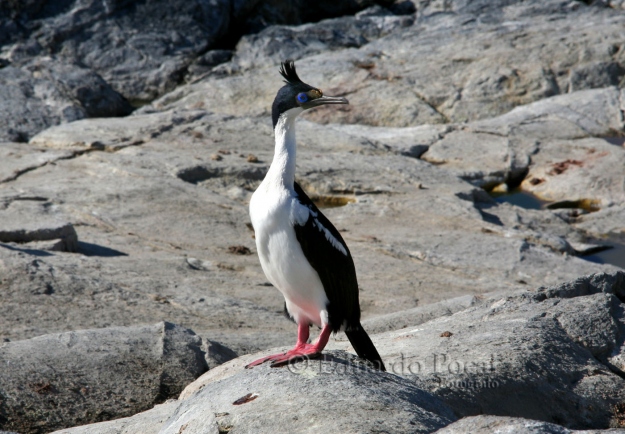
(302, 97)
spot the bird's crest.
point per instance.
(287, 70)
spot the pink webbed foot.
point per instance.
(306, 351)
(302, 350)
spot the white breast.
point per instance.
(273, 211)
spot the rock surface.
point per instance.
(25, 225)
(501, 424)
(63, 61)
(47, 92)
(449, 99)
(458, 61)
(556, 147)
(310, 399)
(68, 379)
(399, 223)
(126, 43)
(554, 354)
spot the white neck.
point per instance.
(282, 169)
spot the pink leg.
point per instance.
(301, 349)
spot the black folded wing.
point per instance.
(328, 254)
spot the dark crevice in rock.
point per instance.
(590, 205)
(430, 104)
(201, 173)
(21, 172)
(490, 218)
(95, 146)
(515, 179)
(32, 252)
(90, 249)
(8, 200)
(164, 392)
(611, 367)
(202, 66)
(476, 195)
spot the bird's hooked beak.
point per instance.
(325, 100)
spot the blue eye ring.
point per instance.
(302, 97)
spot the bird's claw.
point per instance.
(279, 360)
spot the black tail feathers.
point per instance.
(363, 346)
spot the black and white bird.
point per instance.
(301, 252)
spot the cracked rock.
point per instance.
(66, 379)
(23, 225)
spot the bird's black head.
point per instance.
(297, 94)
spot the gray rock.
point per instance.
(250, 17)
(47, 92)
(155, 233)
(537, 138)
(608, 220)
(485, 160)
(418, 315)
(496, 424)
(18, 159)
(147, 422)
(578, 174)
(523, 355)
(276, 43)
(593, 325)
(454, 63)
(578, 115)
(140, 50)
(206, 62)
(216, 353)
(67, 379)
(157, 212)
(376, 401)
(527, 341)
(558, 145)
(409, 141)
(246, 402)
(111, 134)
(24, 224)
(596, 75)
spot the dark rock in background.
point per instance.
(141, 48)
(46, 92)
(288, 42)
(65, 60)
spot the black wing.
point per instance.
(334, 265)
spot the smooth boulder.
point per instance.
(333, 394)
(67, 379)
